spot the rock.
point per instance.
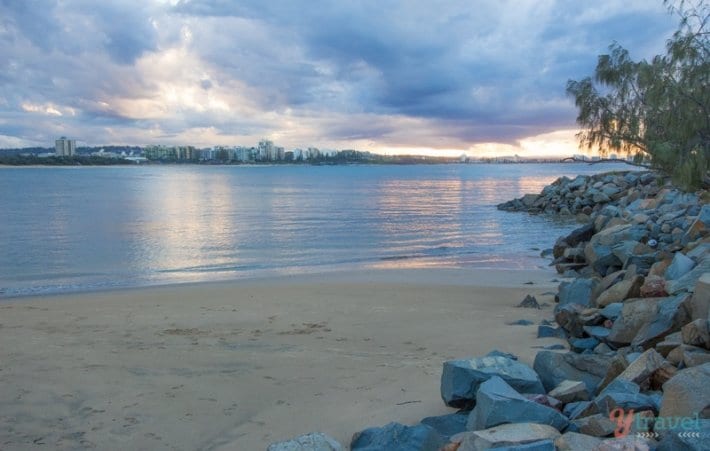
(659, 268)
(634, 315)
(693, 436)
(595, 425)
(553, 368)
(696, 333)
(607, 402)
(460, 378)
(687, 393)
(598, 332)
(448, 425)
(670, 342)
(621, 291)
(693, 356)
(670, 316)
(399, 437)
(612, 311)
(544, 331)
(570, 391)
(529, 302)
(689, 280)
(578, 291)
(577, 236)
(700, 302)
(680, 266)
(507, 435)
(583, 344)
(498, 403)
(573, 441)
(580, 409)
(653, 287)
(315, 441)
(617, 365)
(629, 443)
(568, 317)
(601, 258)
(641, 369)
(662, 375)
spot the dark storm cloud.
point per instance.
(473, 71)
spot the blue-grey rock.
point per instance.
(612, 311)
(687, 282)
(498, 403)
(598, 332)
(510, 435)
(642, 262)
(598, 425)
(460, 378)
(699, 252)
(626, 401)
(672, 314)
(448, 425)
(578, 291)
(687, 393)
(398, 437)
(553, 368)
(315, 441)
(601, 257)
(694, 435)
(583, 344)
(635, 314)
(580, 409)
(570, 391)
(680, 266)
(544, 331)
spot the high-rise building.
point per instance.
(64, 147)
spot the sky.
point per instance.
(483, 77)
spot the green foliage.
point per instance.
(657, 110)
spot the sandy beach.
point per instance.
(238, 365)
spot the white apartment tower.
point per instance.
(64, 147)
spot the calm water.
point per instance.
(71, 229)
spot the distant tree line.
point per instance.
(658, 110)
(76, 160)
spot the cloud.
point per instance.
(388, 73)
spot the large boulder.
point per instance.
(570, 391)
(553, 368)
(680, 266)
(315, 441)
(498, 403)
(579, 291)
(700, 303)
(634, 315)
(460, 378)
(670, 316)
(640, 370)
(687, 394)
(448, 425)
(625, 289)
(692, 436)
(507, 435)
(597, 425)
(696, 333)
(577, 236)
(688, 281)
(573, 441)
(398, 437)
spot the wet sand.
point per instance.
(238, 365)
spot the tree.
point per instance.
(656, 110)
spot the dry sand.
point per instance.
(242, 364)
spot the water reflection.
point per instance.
(128, 226)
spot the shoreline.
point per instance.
(219, 364)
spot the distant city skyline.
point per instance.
(394, 78)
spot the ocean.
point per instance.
(69, 229)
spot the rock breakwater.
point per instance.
(635, 310)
